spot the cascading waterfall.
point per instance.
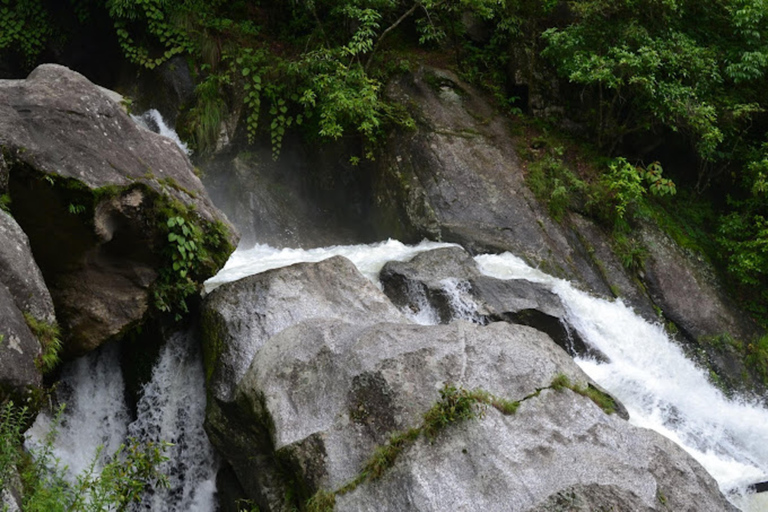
(171, 409)
(95, 415)
(661, 388)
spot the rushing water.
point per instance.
(153, 121)
(648, 372)
(171, 409)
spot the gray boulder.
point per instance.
(449, 281)
(93, 191)
(22, 290)
(239, 318)
(322, 395)
(20, 273)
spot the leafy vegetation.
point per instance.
(50, 341)
(195, 249)
(121, 482)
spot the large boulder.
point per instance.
(335, 371)
(238, 318)
(93, 192)
(19, 272)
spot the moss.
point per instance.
(455, 405)
(600, 398)
(172, 183)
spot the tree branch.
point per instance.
(388, 30)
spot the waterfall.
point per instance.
(95, 415)
(171, 409)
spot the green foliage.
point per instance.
(601, 399)
(50, 341)
(5, 203)
(756, 357)
(195, 250)
(455, 404)
(121, 482)
(13, 422)
(25, 27)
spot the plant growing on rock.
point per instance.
(120, 483)
(50, 342)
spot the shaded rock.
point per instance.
(19, 349)
(310, 197)
(22, 290)
(92, 191)
(685, 287)
(239, 317)
(558, 452)
(458, 178)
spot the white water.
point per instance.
(153, 121)
(171, 409)
(95, 415)
(367, 258)
(661, 389)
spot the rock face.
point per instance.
(335, 371)
(93, 191)
(309, 197)
(458, 179)
(22, 290)
(539, 460)
(684, 286)
(19, 349)
(449, 282)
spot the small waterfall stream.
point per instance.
(171, 409)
